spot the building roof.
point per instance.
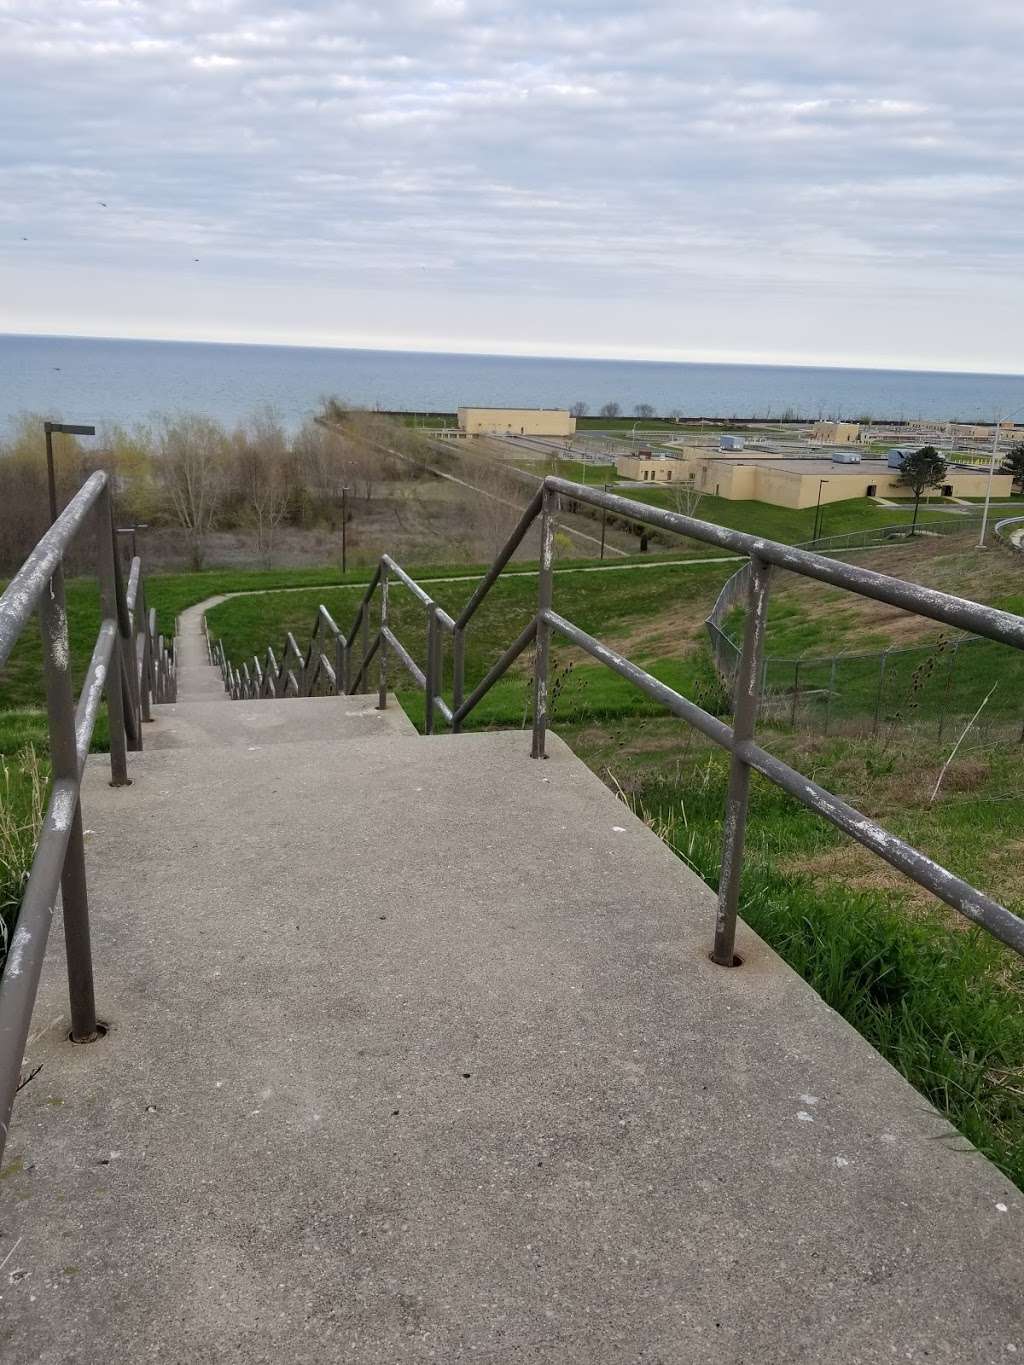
(818, 467)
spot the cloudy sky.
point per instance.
(827, 182)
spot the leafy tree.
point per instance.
(1013, 463)
(921, 470)
(610, 410)
(579, 409)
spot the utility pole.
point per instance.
(69, 429)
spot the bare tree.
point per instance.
(579, 409)
(191, 467)
(643, 410)
(610, 410)
(261, 468)
(686, 496)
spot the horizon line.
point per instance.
(488, 354)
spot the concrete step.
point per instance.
(200, 683)
(199, 724)
(415, 1053)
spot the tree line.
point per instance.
(192, 472)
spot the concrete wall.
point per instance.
(517, 421)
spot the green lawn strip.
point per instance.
(788, 524)
(941, 1003)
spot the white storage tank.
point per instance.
(846, 457)
(730, 443)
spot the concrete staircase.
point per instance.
(415, 1053)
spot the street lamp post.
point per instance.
(69, 429)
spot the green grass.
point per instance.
(606, 604)
(788, 524)
(918, 683)
(579, 471)
(942, 1003)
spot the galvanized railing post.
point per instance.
(144, 663)
(340, 665)
(382, 651)
(458, 674)
(365, 632)
(106, 565)
(745, 705)
(430, 679)
(60, 706)
(542, 651)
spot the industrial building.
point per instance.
(803, 483)
(517, 422)
(645, 467)
(834, 433)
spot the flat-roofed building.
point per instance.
(835, 433)
(517, 422)
(800, 483)
(645, 467)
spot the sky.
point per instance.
(827, 182)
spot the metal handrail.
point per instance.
(738, 739)
(131, 666)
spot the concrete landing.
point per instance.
(416, 1054)
(195, 724)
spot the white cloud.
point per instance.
(491, 150)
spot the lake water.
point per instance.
(91, 380)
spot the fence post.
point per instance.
(382, 651)
(60, 706)
(458, 673)
(106, 555)
(542, 651)
(947, 689)
(882, 664)
(745, 706)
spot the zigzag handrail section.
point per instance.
(336, 661)
(132, 665)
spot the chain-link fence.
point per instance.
(928, 685)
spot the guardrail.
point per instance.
(765, 557)
(132, 666)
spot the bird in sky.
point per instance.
(102, 204)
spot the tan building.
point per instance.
(796, 483)
(644, 467)
(516, 422)
(835, 433)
